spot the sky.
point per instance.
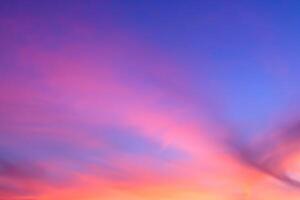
(144, 100)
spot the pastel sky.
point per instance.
(149, 100)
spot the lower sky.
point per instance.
(149, 100)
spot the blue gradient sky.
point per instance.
(148, 99)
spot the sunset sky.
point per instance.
(149, 100)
